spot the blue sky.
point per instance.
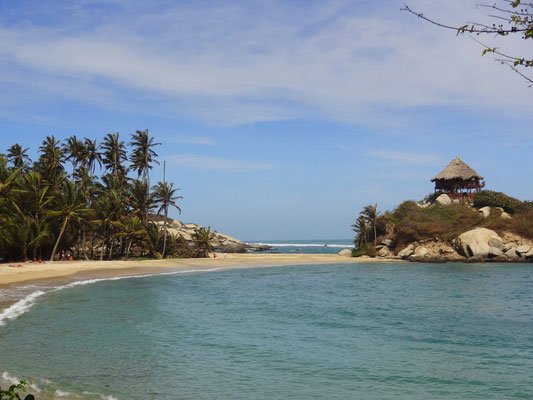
(279, 119)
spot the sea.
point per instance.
(306, 246)
(342, 331)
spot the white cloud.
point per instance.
(406, 158)
(267, 61)
(217, 164)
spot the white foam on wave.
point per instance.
(24, 304)
(20, 307)
(304, 245)
(9, 378)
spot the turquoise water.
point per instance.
(307, 246)
(361, 331)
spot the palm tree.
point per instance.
(17, 155)
(50, 163)
(202, 238)
(92, 155)
(140, 200)
(373, 217)
(69, 206)
(143, 154)
(75, 152)
(361, 229)
(132, 229)
(114, 154)
(107, 208)
(164, 194)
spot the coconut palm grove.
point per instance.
(59, 207)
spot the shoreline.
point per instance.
(96, 269)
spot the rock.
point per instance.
(190, 226)
(387, 242)
(444, 200)
(505, 215)
(345, 253)
(529, 254)
(496, 243)
(484, 211)
(476, 242)
(385, 252)
(421, 251)
(405, 253)
(495, 252)
(512, 253)
(522, 249)
(507, 247)
(258, 247)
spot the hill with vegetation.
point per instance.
(428, 221)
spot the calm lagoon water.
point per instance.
(361, 331)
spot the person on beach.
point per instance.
(69, 256)
(63, 256)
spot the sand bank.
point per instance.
(61, 269)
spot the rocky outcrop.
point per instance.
(220, 243)
(475, 243)
(432, 250)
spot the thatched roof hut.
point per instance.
(458, 180)
(457, 169)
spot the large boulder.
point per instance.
(495, 252)
(496, 243)
(523, 249)
(512, 254)
(385, 252)
(345, 253)
(484, 211)
(475, 243)
(529, 254)
(408, 251)
(443, 200)
(505, 215)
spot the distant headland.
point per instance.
(460, 221)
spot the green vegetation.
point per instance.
(409, 222)
(369, 224)
(412, 223)
(13, 393)
(498, 199)
(58, 204)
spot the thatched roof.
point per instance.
(457, 169)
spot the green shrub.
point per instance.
(13, 393)
(366, 250)
(497, 199)
(446, 222)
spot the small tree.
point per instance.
(203, 237)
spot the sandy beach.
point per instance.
(10, 273)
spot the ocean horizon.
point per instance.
(372, 331)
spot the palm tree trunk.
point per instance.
(165, 233)
(63, 228)
(128, 249)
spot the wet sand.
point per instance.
(102, 269)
